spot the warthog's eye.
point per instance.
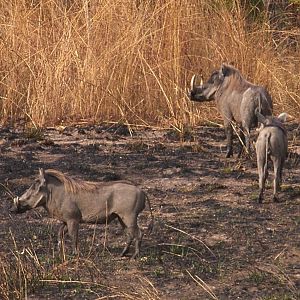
(213, 78)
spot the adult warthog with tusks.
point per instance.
(271, 143)
(74, 201)
(236, 99)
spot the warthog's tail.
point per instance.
(267, 152)
(151, 224)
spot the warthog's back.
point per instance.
(116, 198)
(276, 139)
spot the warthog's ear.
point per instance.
(282, 117)
(223, 71)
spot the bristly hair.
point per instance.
(236, 80)
(72, 185)
(76, 185)
(235, 73)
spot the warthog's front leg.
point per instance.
(73, 226)
(229, 134)
(60, 237)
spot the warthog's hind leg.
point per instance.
(130, 237)
(128, 244)
(133, 232)
(263, 174)
(138, 242)
(242, 142)
(277, 162)
(248, 141)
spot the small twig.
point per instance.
(10, 193)
(200, 282)
(177, 245)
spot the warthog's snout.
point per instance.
(17, 208)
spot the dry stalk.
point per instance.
(203, 285)
(191, 236)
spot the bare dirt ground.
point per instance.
(211, 240)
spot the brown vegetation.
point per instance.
(130, 61)
(68, 61)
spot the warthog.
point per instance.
(236, 99)
(74, 201)
(271, 143)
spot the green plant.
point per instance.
(34, 133)
(257, 277)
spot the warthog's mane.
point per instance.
(235, 80)
(76, 185)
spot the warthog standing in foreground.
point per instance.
(73, 201)
(236, 99)
(271, 143)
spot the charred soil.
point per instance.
(211, 239)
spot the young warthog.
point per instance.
(271, 142)
(236, 99)
(73, 201)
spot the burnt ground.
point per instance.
(211, 240)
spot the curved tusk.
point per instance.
(16, 201)
(193, 82)
(201, 81)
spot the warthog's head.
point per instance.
(206, 91)
(271, 121)
(35, 196)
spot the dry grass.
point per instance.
(131, 61)
(23, 271)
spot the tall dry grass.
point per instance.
(131, 61)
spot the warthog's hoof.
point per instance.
(135, 255)
(229, 153)
(124, 252)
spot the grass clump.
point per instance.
(33, 133)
